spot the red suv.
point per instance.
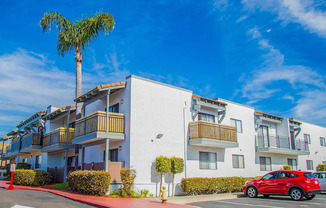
(284, 182)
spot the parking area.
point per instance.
(271, 202)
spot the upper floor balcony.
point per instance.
(281, 145)
(99, 125)
(58, 139)
(208, 134)
(13, 148)
(31, 142)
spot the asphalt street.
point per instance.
(35, 199)
(271, 202)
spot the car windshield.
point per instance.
(309, 175)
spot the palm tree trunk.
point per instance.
(79, 59)
(161, 184)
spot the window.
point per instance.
(270, 176)
(322, 141)
(24, 160)
(310, 165)
(324, 162)
(38, 161)
(307, 138)
(287, 175)
(113, 155)
(71, 161)
(238, 161)
(265, 163)
(292, 163)
(206, 117)
(320, 175)
(207, 160)
(113, 108)
(237, 124)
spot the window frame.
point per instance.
(38, 161)
(209, 163)
(265, 165)
(238, 157)
(322, 141)
(206, 115)
(308, 165)
(296, 163)
(307, 138)
(235, 124)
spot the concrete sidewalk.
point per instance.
(200, 198)
(103, 202)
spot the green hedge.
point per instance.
(287, 167)
(321, 167)
(32, 177)
(89, 182)
(196, 186)
(23, 166)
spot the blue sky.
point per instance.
(268, 54)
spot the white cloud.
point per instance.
(307, 87)
(303, 12)
(29, 82)
(220, 5)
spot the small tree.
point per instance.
(176, 167)
(162, 165)
(127, 179)
(321, 167)
(286, 167)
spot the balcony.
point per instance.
(93, 127)
(208, 134)
(8, 150)
(57, 140)
(31, 143)
(281, 145)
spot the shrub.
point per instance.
(23, 166)
(127, 179)
(321, 167)
(134, 194)
(32, 177)
(89, 182)
(286, 167)
(60, 186)
(195, 186)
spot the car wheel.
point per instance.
(309, 197)
(266, 195)
(296, 194)
(252, 192)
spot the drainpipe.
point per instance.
(66, 150)
(185, 138)
(107, 145)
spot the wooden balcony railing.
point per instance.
(15, 145)
(97, 122)
(209, 130)
(58, 136)
(31, 139)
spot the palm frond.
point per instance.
(66, 42)
(88, 29)
(54, 18)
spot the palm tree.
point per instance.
(77, 35)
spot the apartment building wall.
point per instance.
(317, 152)
(95, 153)
(224, 155)
(156, 109)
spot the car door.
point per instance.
(267, 183)
(284, 181)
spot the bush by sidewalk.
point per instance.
(23, 166)
(196, 186)
(32, 177)
(89, 182)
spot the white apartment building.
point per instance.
(137, 120)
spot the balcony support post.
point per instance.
(107, 149)
(65, 166)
